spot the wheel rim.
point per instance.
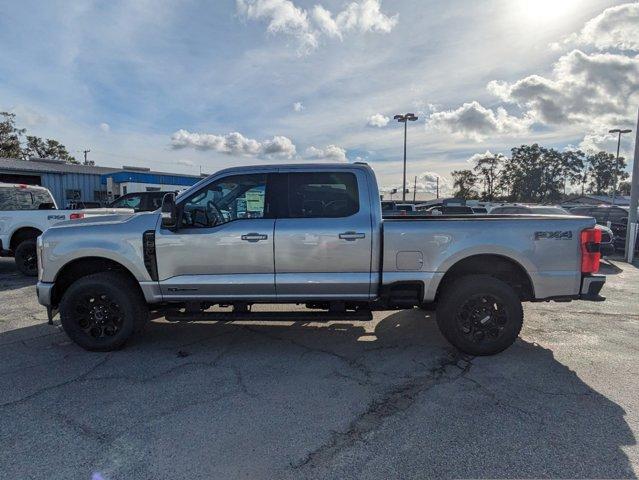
(30, 262)
(482, 319)
(97, 315)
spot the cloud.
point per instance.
(184, 161)
(284, 17)
(594, 142)
(378, 120)
(427, 182)
(616, 27)
(28, 116)
(583, 88)
(105, 127)
(473, 120)
(298, 107)
(331, 153)
(234, 143)
(478, 156)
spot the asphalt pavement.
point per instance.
(376, 400)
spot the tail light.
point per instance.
(76, 216)
(590, 255)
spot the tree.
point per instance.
(36, 147)
(464, 182)
(11, 143)
(573, 168)
(624, 188)
(488, 168)
(539, 174)
(601, 172)
(10, 136)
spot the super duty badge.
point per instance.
(556, 235)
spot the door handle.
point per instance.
(350, 236)
(254, 237)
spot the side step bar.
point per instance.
(359, 316)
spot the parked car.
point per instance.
(615, 216)
(139, 201)
(390, 207)
(25, 212)
(311, 235)
(81, 205)
(607, 236)
(450, 210)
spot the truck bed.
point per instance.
(424, 248)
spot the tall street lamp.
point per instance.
(407, 117)
(614, 185)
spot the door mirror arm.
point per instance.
(170, 212)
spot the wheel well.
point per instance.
(82, 267)
(503, 268)
(22, 234)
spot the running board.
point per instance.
(269, 316)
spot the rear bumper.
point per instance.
(591, 285)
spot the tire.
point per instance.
(26, 258)
(480, 315)
(101, 311)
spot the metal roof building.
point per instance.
(85, 183)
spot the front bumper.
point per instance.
(591, 285)
(43, 291)
(3, 252)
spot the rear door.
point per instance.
(323, 236)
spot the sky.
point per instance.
(188, 86)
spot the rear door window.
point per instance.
(322, 195)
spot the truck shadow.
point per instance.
(11, 278)
(530, 414)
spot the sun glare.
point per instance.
(546, 9)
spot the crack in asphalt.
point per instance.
(395, 401)
(354, 363)
(48, 388)
(502, 403)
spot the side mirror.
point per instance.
(169, 211)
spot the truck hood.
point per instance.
(147, 220)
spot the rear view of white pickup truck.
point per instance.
(312, 235)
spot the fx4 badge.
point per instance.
(557, 235)
(55, 217)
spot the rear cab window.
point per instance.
(16, 198)
(322, 195)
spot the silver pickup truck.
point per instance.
(311, 235)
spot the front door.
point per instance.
(323, 237)
(223, 248)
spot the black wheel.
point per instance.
(26, 258)
(480, 315)
(99, 312)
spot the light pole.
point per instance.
(407, 117)
(614, 184)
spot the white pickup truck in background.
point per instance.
(25, 212)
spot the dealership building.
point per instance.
(86, 183)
